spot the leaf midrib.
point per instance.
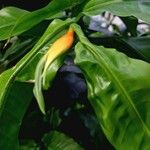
(116, 81)
(26, 62)
(119, 85)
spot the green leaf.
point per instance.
(27, 74)
(36, 31)
(7, 77)
(141, 45)
(135, 47)
(29, 145)
(16, 50)
(59, 141)
(131, 24)
(38, 84)
(9, 17)
(16, 21)
(50, 74)
(18, 99)
(119, 7)
(33, 72)
(53, 117)
(118, 89)
(52, 69)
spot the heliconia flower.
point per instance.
(60, 46)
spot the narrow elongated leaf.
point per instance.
(14, 112)
(118, 89)
(60, 46)
(59, 141)
(141, 45)
(15, 52)
(15, 22)
(135, 47)
(119, 7)
(7, 78)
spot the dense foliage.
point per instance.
(94, 95)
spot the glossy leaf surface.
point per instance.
(16, 21)
(118, 89)
(7, 78)
(120, 8)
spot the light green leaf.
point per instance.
(118, 89)
(8, 19)
(16, 21)
(59, 141)
(27, 74)
(52, 70)
(119, 7)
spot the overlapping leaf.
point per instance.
(14, 21)
(118, 89)
(141, 45)
(135, 8)
(7, 79)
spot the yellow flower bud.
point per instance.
(60, 46)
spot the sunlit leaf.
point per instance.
(15, 21)
(118, 89)
(119, 7)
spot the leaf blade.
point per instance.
(22, 22)
(117, 91)
(7, 78)
(59, 141)
(118, 7)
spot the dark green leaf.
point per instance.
(29, 145)
(58, 141)
(16, 50)
(131, 24)
(7, 77)
(18, 100)
(141, 45)
(135, 47)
